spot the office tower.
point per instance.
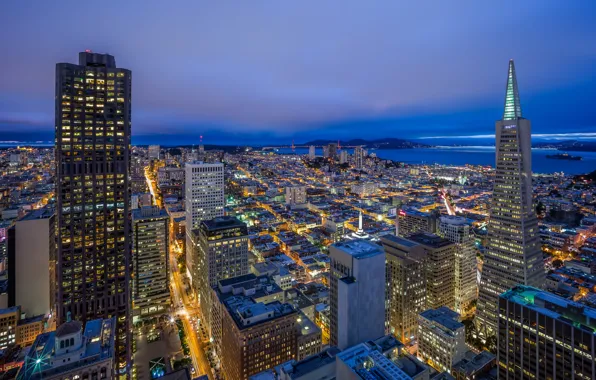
(513, 255)
(32, 263)
(221, 253)
(544, 336)
(359, 157)
(204, 192)
(296, 196)
(458, 231)
(153, 152)
(441, 338)
(312, 152)
(357, 292)
(255, 335)
(439, 268)
(204, 199)
(343, 156)
(150, 257)
(410, 221)
(406, 286)
(72, 353)
(332, 150)
(93, 122)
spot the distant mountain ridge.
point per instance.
(385, 143)
(568, 145)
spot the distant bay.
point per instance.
(478, 155)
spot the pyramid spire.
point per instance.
(512, 105)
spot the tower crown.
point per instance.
(512, 104)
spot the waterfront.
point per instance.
(478, 155)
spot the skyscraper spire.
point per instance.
(360, 230)
(512, 105)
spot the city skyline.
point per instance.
(326, 87)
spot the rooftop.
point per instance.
(371, 364)
(553, 306)
(443, 316)
(429, 240)
(399, 240)
(311, 363)
(359, 249)
(221, 223)
(40, 213)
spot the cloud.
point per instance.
(544, 136)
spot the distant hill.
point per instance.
(386, 143)
(569, 145)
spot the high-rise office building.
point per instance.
(544, 336)
(150, 257)
(153, 151)
(441, 338)
(312, 152)
(221, 253)
(32, 263)
(93, 124)
(410, 221)
(359, 157)
(204, 200)
(357, 292)
(457, 230)
(513, 255)
(439, 268)
(406, 285)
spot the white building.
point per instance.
(357, 294)
(343, 156)
(312, 152)
(296, 196)
(359, 154)
(441, 338)
(458, 231)
(153, 151)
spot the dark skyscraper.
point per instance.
(93, 123)
(513, 254)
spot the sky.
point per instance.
(256, 71)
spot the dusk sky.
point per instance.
(272, 71)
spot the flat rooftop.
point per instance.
(40, 213)
(359, 248)
(443, 316)
(222, 222)
(429, 240)
(553, 306)
(400, 240)
(311, 363)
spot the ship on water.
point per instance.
(564, 156)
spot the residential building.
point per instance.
(332, 150)
(513, 255)
(474, 366)
(222, 253)
(357, 294)
(359, 157)
(544, 336)
(312, 152)
(150, 256)
(406, 286)
(296, 196)
(308, 337)
(32, 263)
(343, 157)
(93, 224)
(17, 330)
(364, 361)
(72, 353)
(457, 230)
(410, 221)
(439, 267)
(441, 338)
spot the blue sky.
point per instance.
(272, 71)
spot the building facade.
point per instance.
(439, 268)
(221, 253)
(93, 126)
(513, 255)
(32, 263)
(441, 338)
(458, 231)
(359, 157)
(357, 292)
(406, 286)
(544, 336)
(411, 221)
(295, 195)
(150, 256)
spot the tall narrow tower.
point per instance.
(513, 254)
(93, 121)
